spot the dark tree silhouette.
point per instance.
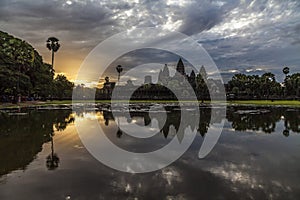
(53, 46)
(286, 133)
(106, 79)
(119, 133)
(119, 70)
(286, 70)
(52, 160)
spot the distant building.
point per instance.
(129, 84)
(180, 76)
(166, 85)
(180, 67)
(107, 89)
(148, 80)
(164, 76)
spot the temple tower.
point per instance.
(180, 67)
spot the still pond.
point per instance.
(256, 157)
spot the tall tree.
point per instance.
(63, 87)
(266, 83)
(52, 160)
(286, 71)
(292, 84)
(16, 59)
(53, 46)
(201, 85)
(119, 69)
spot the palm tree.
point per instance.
(52, 160)
(267, 81)
(286, 132)
(119, 70)
(285, 70)
(119, 133)
(53, 46)
(106, 79)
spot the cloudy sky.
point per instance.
(240, 35)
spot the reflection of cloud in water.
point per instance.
(248, 176)
(171, 175)
(236, 173)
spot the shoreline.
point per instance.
(288, 103)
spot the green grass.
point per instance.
(294, 103)
(240, 102)
(266, 102)
(109, 101)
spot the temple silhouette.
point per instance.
(180, 85)
(164, 77)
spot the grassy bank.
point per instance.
(266, 102)
(240, 102)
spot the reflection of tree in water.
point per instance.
(108, 116)
(61, 122)
(286, 132)
(264, 119)
(52, 160)
(119, 133)
(256, 119)
(205, 116)
(22, 137)
(292, 120)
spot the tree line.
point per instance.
(243, 86)
(24, 74)
(240, 86)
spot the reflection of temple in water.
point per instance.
(240, 118)
(22, 137)
(174, 123)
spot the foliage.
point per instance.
(201, 85)
(52, 44)
(292, 84)
(23, 72)
(22, 137)
(63, 87)
(254, 87)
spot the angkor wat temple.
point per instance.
(180, 85)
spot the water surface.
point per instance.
(256, 157)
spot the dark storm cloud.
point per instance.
(204, 15)
(263, 34)
(53, 16)
(258, 33)
(77, 25)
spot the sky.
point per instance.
(241, 36)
